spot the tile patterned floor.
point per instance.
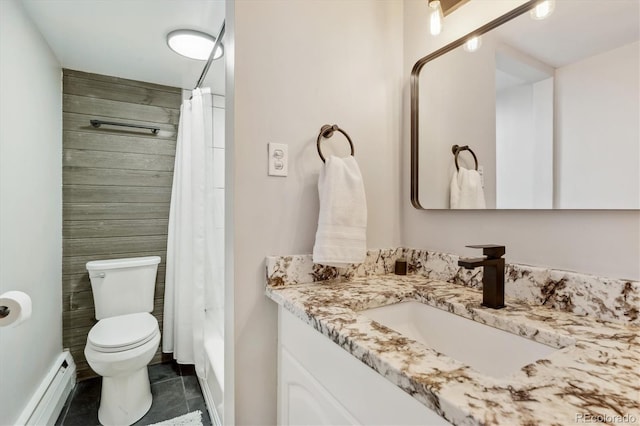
(175, 392)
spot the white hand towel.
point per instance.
(466, 190)
(341, 238)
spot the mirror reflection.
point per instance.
(549, 107)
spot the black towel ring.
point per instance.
(326, 132)
(456, 149)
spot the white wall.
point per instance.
(598, 104)
(524, 146)
(515, 145)
(214, 303)
(599, 242)
(299, 65)
(30, 204)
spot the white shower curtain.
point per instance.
(190, 239)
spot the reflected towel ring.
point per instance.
(327, 131)
(456, 149)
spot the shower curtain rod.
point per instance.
(210, 60)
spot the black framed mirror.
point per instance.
(549, 108)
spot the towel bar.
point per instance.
(327, 131)
(456, 149)
(98, 123)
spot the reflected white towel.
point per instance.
(466, 190)
(341, 238)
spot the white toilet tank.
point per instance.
(123, 286)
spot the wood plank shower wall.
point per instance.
(116, 188)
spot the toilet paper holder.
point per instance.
(15, 308)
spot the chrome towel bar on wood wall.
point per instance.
(326, 132)
(98, 123)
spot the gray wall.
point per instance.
(116, 188)
(327, 62)
(30, 205)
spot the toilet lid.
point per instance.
(123, 332)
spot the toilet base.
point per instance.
(125, 399)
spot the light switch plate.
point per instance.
(278, 159)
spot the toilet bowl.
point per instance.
(126, 336)
(119, 349)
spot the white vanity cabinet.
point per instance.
(322, 384)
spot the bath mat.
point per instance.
(193, 418)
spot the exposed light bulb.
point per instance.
(473, 44)
(543, 9)
(435, 18)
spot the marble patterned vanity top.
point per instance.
(595, 372)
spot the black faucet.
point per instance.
(492, 276)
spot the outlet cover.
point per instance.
(278, 159)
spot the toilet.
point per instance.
(126, 337)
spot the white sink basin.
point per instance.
(486, 349)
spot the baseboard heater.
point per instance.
(46, 404)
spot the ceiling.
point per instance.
(127, 38)
(575, 30)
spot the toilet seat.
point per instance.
(122, 332)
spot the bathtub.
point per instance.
(213, 385)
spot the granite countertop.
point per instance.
(595, 372)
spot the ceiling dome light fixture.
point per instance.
(193, 44)
(543, 9)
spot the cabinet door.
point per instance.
(321, 383)
(302, 400)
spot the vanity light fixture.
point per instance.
(193, 44)
(473, 44)
(438, 9)
(543, 9)
(435, 17)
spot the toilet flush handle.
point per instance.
(98, 275)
